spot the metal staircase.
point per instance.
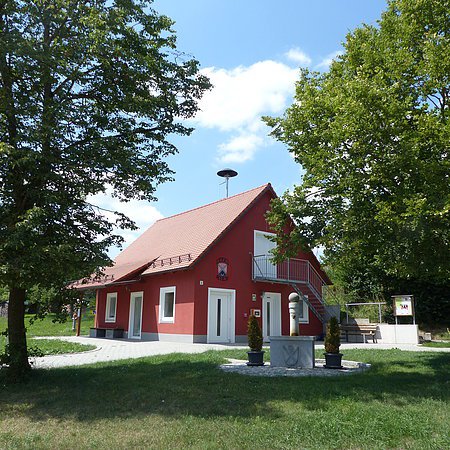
(299, 273)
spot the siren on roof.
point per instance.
(227, 174)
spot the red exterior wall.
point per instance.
(184, 303)
(237, 246)
(191, 301)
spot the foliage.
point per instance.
(372, 135)
(3, 294)
(90, 94)
(254, 334)
(399, 403)
(332, 336)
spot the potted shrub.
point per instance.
(333, 359)
(255, 342)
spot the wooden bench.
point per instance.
(109, 333)
(360, 329)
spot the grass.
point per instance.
(437, 344)
(46, 326)
(185, 401)
(52, 346)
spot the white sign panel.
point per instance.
(403, 305)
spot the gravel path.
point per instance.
(112, 350)
(348, 368)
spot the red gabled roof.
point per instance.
(178, 241)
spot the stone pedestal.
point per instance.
(292, 351)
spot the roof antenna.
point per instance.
(227, 174)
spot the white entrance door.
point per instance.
(271, 315)
(221, 311)
(135, 323)
(262, 247)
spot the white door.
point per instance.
(262, 246)
(135, 323)
(221, 312)
(271, 315)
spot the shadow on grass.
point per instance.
(179, 385)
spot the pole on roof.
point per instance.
(227, 174)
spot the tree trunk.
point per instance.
(19, 365)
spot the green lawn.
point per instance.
(52, 346)
(46, 326)
(442, 344)
(185, 401)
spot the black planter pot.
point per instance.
(333, 360)
(255, 358)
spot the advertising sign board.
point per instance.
(403, 305)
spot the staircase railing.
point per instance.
(306, 300)
(291, 271)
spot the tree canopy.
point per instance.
(90, 93)
(372, 135)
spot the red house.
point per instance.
(196, 277)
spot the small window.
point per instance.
(167, 304)
(304, 312)
(111, 307)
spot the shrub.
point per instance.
(333, 336)
(255, 339)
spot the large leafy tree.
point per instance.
(373, 136)
(90, 91)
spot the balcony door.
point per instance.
(263, 266)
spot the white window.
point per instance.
(304, 312)
(167, 304)
(111, 307)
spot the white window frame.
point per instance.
(162, 298)
(108, 304)
(305, 318)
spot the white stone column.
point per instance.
(294, 312)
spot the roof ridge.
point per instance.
(213, 203)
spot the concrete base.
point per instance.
(114, 333)
(166, 337)
(397, 334)
(292, 351)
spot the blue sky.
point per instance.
(251, 50)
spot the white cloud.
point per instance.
(298, 56)
(141, 212)
(239, 98)
(326, 62)
(241, 148)
(241, 95)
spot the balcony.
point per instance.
(293, 272)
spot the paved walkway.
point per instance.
(111, 350)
